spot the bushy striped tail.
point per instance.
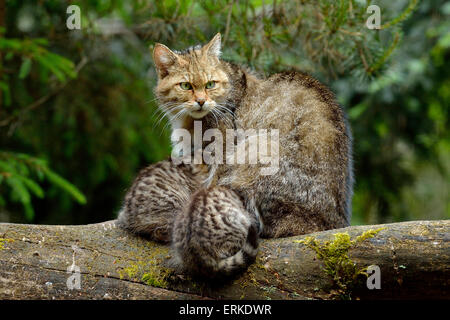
(244, 257)
(215, 235)
(188, 260)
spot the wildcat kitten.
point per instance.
(214, 214)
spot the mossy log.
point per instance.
(414, 259)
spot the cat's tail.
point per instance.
(205, 264)
(215, 235)
(244, 257)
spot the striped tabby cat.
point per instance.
(213, 215)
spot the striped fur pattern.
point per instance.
(214, 215)
(215, 234)
(157, 196)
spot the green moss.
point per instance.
(337, 263)
(3, 241)
(131, 271)
(245, 280)
(157, 278)
(149, 271)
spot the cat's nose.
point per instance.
(201, 102)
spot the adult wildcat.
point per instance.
(213, 215)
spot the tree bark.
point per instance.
(34, 259)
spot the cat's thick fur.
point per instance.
(213, 215)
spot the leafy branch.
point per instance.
(31, 51)
(20, 178)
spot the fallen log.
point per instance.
(100, 261)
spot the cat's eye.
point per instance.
(185, 86)
(210, 84)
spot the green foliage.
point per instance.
(31, 50)
(149, 271)
(20, 175)
(156, 280)
(83, 99)
(337, 263)
(19, 172)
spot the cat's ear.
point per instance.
(163, 58)
(214, 46)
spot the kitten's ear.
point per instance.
(214, 46)
(163, 58)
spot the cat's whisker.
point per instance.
(164, 116)
(165, 113)
(222, 107)
(213, 112)
(160, 116)
(161, 108)
(223, 116)
(181, 112)
(226, 113)
(151, 100)
(173, 118)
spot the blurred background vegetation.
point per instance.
(77, 112)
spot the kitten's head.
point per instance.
(191, 83)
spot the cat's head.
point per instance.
(191, 83)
